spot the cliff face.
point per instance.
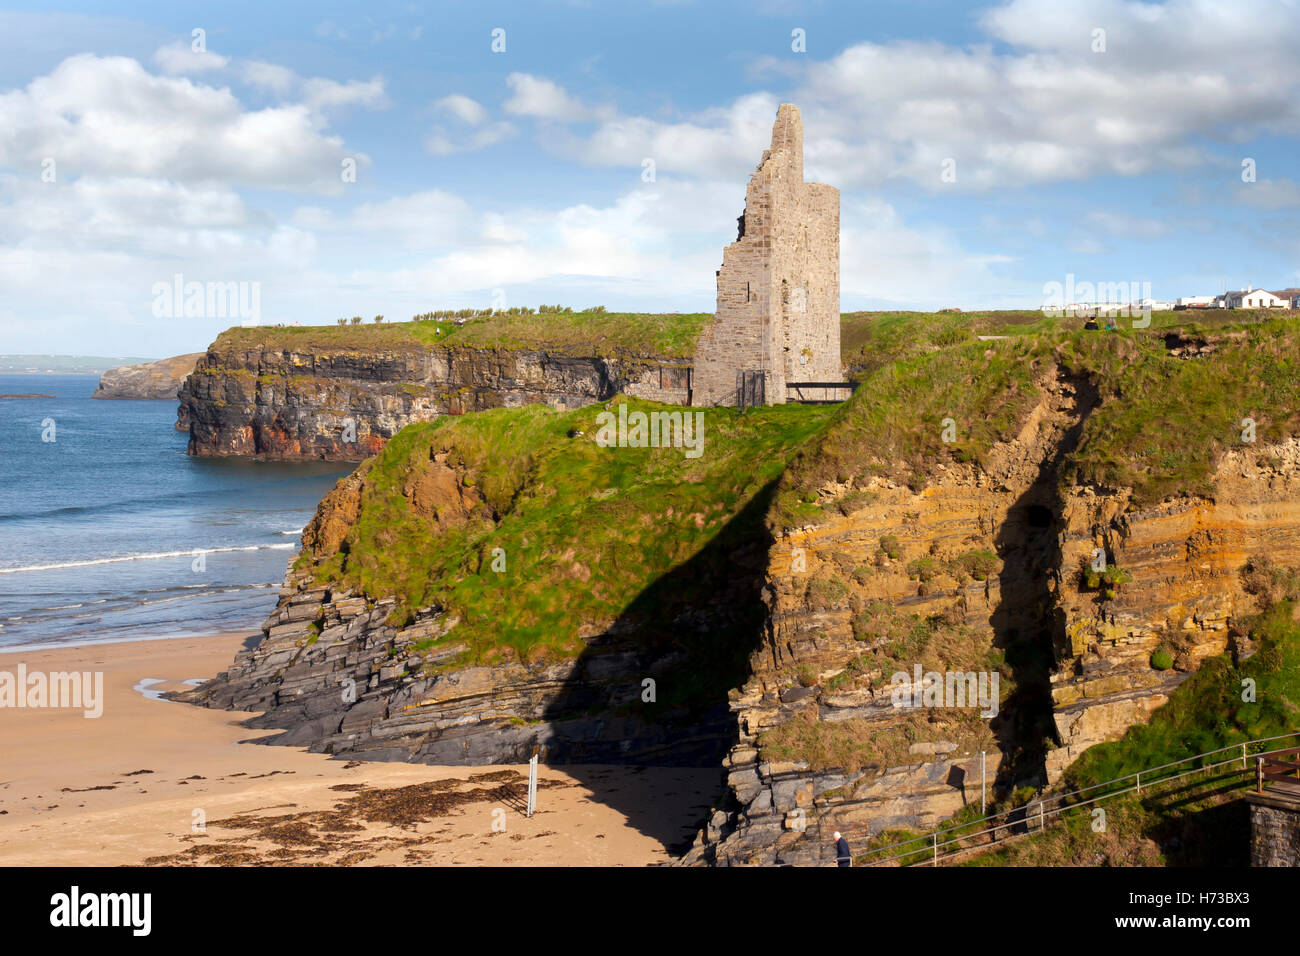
(1042, 554)
(466, 597)
(1076, 662)
(159, 380)
(346, 682)
(344, 403)
(1184, 557)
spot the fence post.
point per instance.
(532, 786)
(1041, 822)
(1138, 775)
(1259, 774)
(935, 838)
(983, 801)
(1243, 755)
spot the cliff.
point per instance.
(1064, 516)
(979, 557)
(159, 380)
(497, 583)
(341, 392)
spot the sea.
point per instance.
(110, 532)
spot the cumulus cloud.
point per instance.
(1033, 104)
(109, 116)
(540, 98)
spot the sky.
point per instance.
(329, 160)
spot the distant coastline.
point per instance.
(64, 364)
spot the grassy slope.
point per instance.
(1162, 425)
(585, 529)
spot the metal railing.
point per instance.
(1268, 767)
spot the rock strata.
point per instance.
(159, 380)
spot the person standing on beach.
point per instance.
(842, 855)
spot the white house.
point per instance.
(1249, 298)
(1195, 302)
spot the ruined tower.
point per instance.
(778, 314)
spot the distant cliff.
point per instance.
(340, 392)
(159, 380)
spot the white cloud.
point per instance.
(179, 57)
(540, 98)
(108, 116)
(443, 142)
(464, 108)
(320, 93)
(279, 79)
(1034, 105)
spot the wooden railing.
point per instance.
(1278, 766)
(850, 387)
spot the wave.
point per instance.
(144, 557)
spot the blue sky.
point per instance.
(127, 157)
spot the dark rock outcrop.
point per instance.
(159, 380)
(339, 679)
(345, 403)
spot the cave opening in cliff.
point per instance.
(1039, 516)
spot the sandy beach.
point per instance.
(154, 782)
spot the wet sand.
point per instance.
(158, 782)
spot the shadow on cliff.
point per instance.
(1027, 623)
(691, 632)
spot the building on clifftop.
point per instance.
(778, 316)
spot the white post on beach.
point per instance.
(983, 802)
(532, 786)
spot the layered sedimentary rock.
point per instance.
(345, 403)
(159, 380)
(339, 679)
(778, 312)
(1184, 557)
(1078, 660)
(895, 561)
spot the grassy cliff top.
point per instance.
(584, 531)
(669, 335)
(1164, 419)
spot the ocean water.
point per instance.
(111, 532)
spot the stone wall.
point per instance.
(778, 310)
(1274, 831)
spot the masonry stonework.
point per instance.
(1274, 831)
(778, 313)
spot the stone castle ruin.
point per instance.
(777, 322)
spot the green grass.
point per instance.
(585, 530)
(576, 333)
(931, 393)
